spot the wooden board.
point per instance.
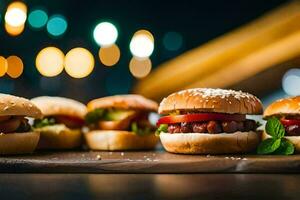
(146, 162)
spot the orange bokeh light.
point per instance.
(14, 66)
(3, 66)
(14, 30)
(140, 68)
(109, 56)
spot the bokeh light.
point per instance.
(50, 61)
(14, 66)
(291, 82)
(172, 41)
(153, 118)
(140, 68)
(57, 25)
(3, 66)
(105, 34)
(79, 62)
(14, 30)
(142, 44)
(109, 56)
(145, 33)
(37, 18)
(16, 14)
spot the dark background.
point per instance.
(197, 21)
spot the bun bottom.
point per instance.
(295, 140)
(18, 143)
(197, 143)
(59, 137)
(119, 140)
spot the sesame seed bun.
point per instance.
(60, 106)
(132, 101)
(198, 143)
(283, 107)
(17, 106)
(211, 100)
(18, 143)
(119, 140)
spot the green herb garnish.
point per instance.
(40, 123)
(275, 128)
(286, 148)
(117, 115)
(140, 131)
(161, 128)
(94, 116)
(107, 115)
(276, 144)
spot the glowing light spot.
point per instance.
(105, 34)
(140, 68)
(50, 61)
(172, 41)
(79, 62)
(37, 18)
(16, 14)
(14, 31)
(14, 66)
(142, 44)
(57, 25)
(291, 82)
(145, 33)
(3, 66)
(153, 118)
(109, 56)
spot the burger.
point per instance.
(61, 127)
(120, 123)
(209, 121)
(16, 134)
(287, 113)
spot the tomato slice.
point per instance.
(290, 122)
(172, 119)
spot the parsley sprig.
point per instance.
(277, 144)
(139, 130)
(161, 128)
(40, 123)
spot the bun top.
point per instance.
(60, 106)
(282, 107)
(132, 101)
(17, 106)
(211, 100)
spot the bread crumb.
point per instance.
(98, 157)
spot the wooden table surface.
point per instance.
(146, 162)
(149, 186)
